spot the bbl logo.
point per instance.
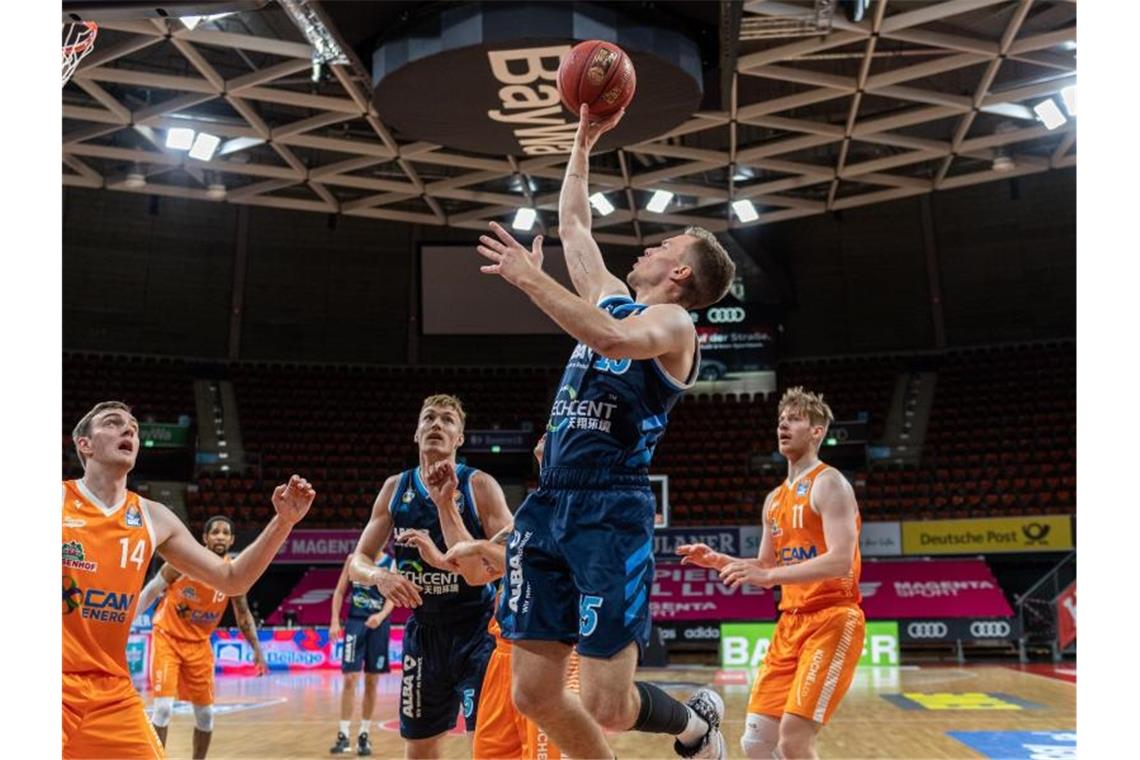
(408, 496)
(133, 517)
(72, 595)
(802, 488)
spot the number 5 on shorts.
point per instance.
(587, 615)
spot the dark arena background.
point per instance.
(898, 200)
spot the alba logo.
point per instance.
(726, 315)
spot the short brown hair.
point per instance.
(83, 427)
(713, 269)
(810, 404)
(446, 399)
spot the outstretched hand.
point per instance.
(512, 260)
(293, 499)
(590, 130)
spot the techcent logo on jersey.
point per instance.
(582, 414)
(95, 604)
(432, 582)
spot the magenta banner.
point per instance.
(931, 588)
(315, 546)
(683, 592)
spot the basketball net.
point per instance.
(78, 41)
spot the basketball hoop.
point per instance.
(78, 41)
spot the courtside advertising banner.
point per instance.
(938, 588)
(305, 546)
(289, 649)
(880, 539)
(1067, 616)
(684, 592)
(1037, 533)
(744, 645)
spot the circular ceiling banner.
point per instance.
(481, 77)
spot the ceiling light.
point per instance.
(745, 210)
(602, 204)
(1069, 98)
(1049, 114)
(190, 21)
(524, 219)
(1003, 163)
(659, 201)
(135, 179)
(205, 145)
(216, 191)
(180, 138)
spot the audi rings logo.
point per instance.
(990, 629)
(927, 630)
(726, 314)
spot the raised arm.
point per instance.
(362, 566)
(583, 257)
(174, 542)
(248, 627)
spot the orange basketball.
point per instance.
(598, 74)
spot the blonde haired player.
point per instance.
(810, 548)
(109, 537)
(182, 657)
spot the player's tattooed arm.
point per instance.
(248, 626)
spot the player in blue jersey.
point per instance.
(446, 644)
(580, 560)
(366, 634)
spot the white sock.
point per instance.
(344, 727)
(364, 725)
(694, 730)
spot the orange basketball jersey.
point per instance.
(190, 610)
(796, 531)
(106, 551)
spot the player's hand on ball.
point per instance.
(701, 555)
(421, 541)
(293, 499)
(590, 129)
(741, 571)
(396, 587)
(512, 260)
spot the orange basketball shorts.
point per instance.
(103, 716)
(810, 663)
(182, 669)
(504, 733)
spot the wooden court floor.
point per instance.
(888, 713)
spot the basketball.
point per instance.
(598, 74)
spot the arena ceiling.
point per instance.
(815, 114)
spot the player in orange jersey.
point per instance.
(810, 548)
(182, 658)
(109, 537)
(502, 731)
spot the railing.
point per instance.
(1037, 608)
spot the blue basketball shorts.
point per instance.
(365, 647)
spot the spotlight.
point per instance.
(745, 210)
(1069, 98)
(216, 191)
(524, 219)
(602, 204)
(1049, 114)
(659, 201)
(179, 138)
(190, 21)
(205, 145)
(135, 179)
(1003, 163)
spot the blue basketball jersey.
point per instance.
(610, 413)
(444, 593)
(367, 600)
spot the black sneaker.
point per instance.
(341, 745)
(363, 746)
(707, 704)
